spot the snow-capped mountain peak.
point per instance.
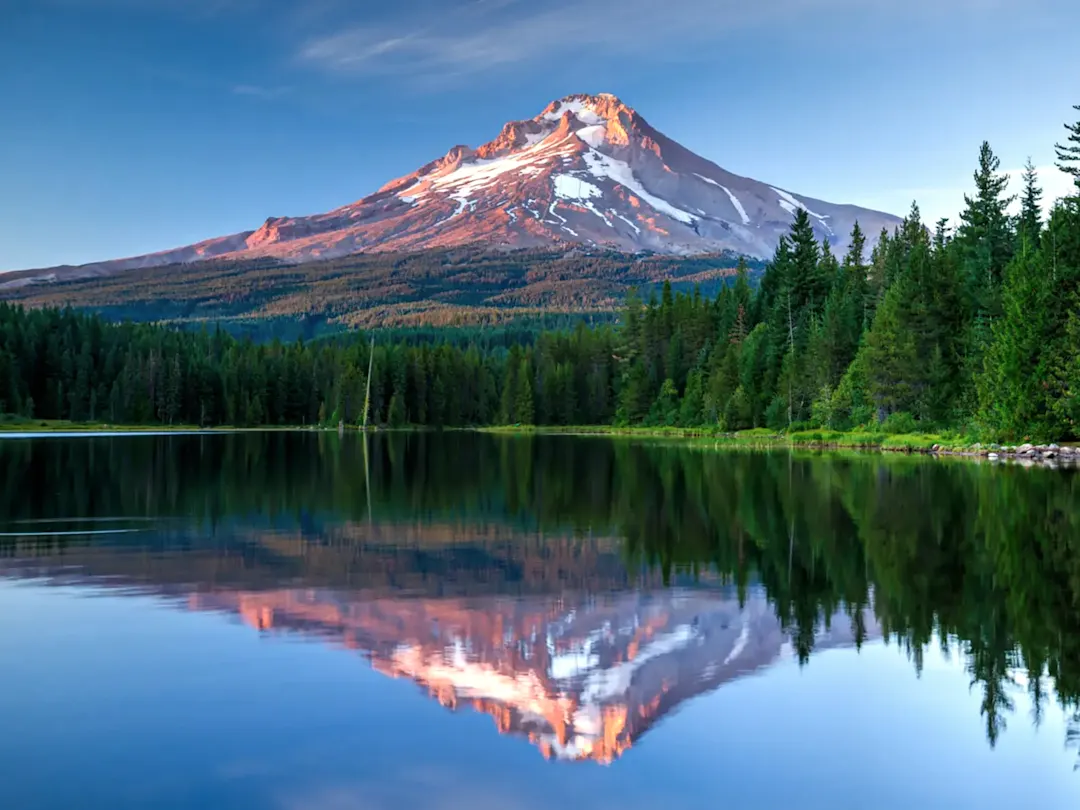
(588, 169)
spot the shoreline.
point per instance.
(931, 445)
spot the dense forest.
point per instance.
(471, 285)
(974, 329)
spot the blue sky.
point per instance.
(128, 126)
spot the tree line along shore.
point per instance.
(955, 337)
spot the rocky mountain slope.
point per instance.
(587, 170)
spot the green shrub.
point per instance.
(900, 422)
(911, 442)
(776, 415)
(755, 433)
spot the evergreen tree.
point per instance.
(1011, 388)
(524, 405)
(1068, 153)
(984, 235)
(890, 357)
(1029, 225)
(665, 411)
(395, 416)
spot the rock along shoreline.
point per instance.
(1025, 454)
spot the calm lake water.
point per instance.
(302, 620)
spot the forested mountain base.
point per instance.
(975, 331)
(466, 286)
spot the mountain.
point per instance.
(588, 170)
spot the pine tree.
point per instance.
(806, 282)
(665, 410)
(1064, 363)
(692, 401)
(876, 281)
(1011, 387)
(524, 407)
(509, 387)
(984, 234)
(890, 356)
(395, 416)
(856, 275)
(1068, 153)
(1029, 225)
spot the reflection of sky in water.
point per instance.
(130, 701)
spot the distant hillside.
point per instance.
(460, 286)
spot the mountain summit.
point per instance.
(588, 169)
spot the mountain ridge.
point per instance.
(589, 170)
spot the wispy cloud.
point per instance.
(465, 38)
(478, 36)
(259, 91)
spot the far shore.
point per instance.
(758, 438)
(824, 439)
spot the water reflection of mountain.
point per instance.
(553, 637)
(582, 677)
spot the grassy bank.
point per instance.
(869, 441)
(759, 437)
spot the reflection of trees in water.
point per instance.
(1072, 737)
(985, 561)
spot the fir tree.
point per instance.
(1068, 153)
(984, 234)
(1011, 388)
(1029, 225)
(890, 356)
(395, 416)
(524, 403)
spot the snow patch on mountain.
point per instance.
(786, 197)
(791, 205)
(476, 175)
(605, 166)
(580, 110)
(533, 138)
(594, 135)
(574, 188)
(738, 205)
(568, 187)
(734, 200)
(627, 221)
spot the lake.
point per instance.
(422, 620)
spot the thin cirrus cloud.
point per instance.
(462, 39)
(479, 36)
(259, 91)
